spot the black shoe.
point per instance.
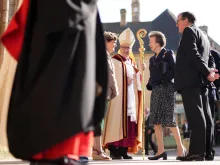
(191, 157)
(163, 155)
(184, 154)
(83, 160)
(210, 157)
(115, 157)
(123, 151)
(127, 157)
(114, 152)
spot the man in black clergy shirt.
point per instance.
(191, 78)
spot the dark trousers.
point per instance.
(98, 129)
(186, 135)
(198, 114)
(217, 138)
(148, 139)
(212, 97)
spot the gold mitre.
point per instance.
(127, 37)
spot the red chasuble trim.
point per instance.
(14, 35)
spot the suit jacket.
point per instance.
(162, 68)
(192, 59)
(54, 90)
(184, 128)
(216, 56)
(211, 64)
(112, 83)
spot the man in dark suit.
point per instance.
(186, 130)
(149, 131)
(191, 79)
(216, 56)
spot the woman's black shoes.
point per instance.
(163, 155)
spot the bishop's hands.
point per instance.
(129, 80)
(213, 75)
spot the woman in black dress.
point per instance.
(161, 82)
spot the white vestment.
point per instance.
(131, 100)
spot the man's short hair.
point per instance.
(160, 37)
(190, 16)
(109, 36)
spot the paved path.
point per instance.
(138, 160)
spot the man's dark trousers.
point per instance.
(198, 114)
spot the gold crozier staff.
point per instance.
(141, 33)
